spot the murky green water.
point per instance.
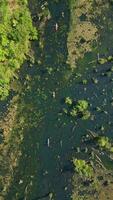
(44, 170)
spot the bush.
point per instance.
(83, 168)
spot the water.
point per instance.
(45, 170)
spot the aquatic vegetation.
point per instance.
(104, 142)
(86, 31)
(112, 69)
(95, 80)
(51, 196)
(110, 58)
(74, 112)
(86, 115)
(109, 74)
(82, 105)
(102, 61)
(102, 128)
(83, 168)
(85, 81)
(65, 110)
(68, 101)
(99, 142)
(80, 108)
(49, 70)
(98, 109)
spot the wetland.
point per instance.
(56, 125)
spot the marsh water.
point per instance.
(45, 170)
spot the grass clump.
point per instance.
(16, 32)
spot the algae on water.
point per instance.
(83, 31)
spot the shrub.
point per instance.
(83, 168)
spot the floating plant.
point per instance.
(77, 109)
(85, 81)
(74, 112)
(102, 61)
(86, 115)
(82, 105)
(95, 81)
(110, 58)
(68, 101)
(104, 142)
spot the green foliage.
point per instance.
(68, 101)
(110, 58)
(82, 105)
(112, 69)
(77, 109)
(95, 80)
(82, 109)
(83, 168)
(104, 142)
(85, 81)
(16, 31)
(102, 61)
(74, 112)
(86, 115)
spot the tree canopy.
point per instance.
(16, 32)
